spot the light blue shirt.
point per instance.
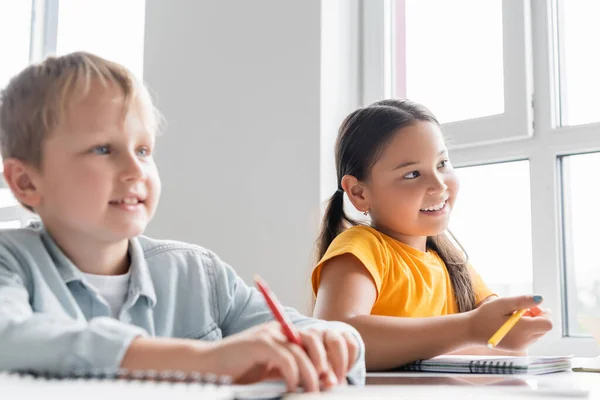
(52, 321)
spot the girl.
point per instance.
(401, 281)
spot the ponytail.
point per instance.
(335, 222)
(457, 267)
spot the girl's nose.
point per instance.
(437, 185)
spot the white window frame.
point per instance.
(514, 123)
(534, 134)
(44, 21)
(44, 29)
(13, 212)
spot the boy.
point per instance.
(84, 290)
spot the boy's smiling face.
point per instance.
(98, 177)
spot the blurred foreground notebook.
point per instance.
(491, 365)
(140, 385)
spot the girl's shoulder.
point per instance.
(362, 233)
(361, 239)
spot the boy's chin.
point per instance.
(129, 231)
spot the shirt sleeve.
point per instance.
(241, 307)
(482, 291)
(43, 342)
(362, 244)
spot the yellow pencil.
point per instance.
(505, 328)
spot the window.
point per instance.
(498, 243)
(32, 30)
(15, 28)
(467, 67)
(579, 64)
(580, 224)
(12, 215)
(516, 91)
(473, 73)
(15, 38)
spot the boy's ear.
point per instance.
(19, 178)
(357, 192)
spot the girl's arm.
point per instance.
(485, 351)
(347, 293)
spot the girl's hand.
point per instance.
(263, 352)
(489, 317)
(536, 312)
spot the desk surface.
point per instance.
(461, 386)
(379, 386)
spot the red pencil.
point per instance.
(280, 315)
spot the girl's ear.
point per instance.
(19, 178)
(357, 192)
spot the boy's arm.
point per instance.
(46, 343)
(241, 307)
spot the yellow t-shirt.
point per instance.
(410, 283)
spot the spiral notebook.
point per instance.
(491, 365)
(147, 385)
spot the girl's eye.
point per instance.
(412, 175)
(144, 152)
(444, 164)
(101, 150)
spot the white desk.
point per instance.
(460, 386)
(379, 386)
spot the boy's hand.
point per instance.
(332, 353)
(263, 352)
(490, 316)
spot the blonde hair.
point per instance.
(36, 100)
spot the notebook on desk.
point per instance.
(491, 365)
(90, 386)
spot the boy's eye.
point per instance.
(101, 150)
(144, 152)
(412, 175)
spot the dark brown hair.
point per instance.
(361, 139)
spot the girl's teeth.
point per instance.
(435, 208)
(130, 201)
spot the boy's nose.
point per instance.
(133, 169)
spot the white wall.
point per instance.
(239, 85)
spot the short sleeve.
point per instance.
(362, 243)
(482, 291)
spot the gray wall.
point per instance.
(239, 86)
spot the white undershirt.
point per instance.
(112, 288)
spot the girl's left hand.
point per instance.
(535, 311)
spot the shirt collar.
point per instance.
(140, 283)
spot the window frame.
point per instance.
(380, 54)
(43, 25)
(43, 43)
(543, 144)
